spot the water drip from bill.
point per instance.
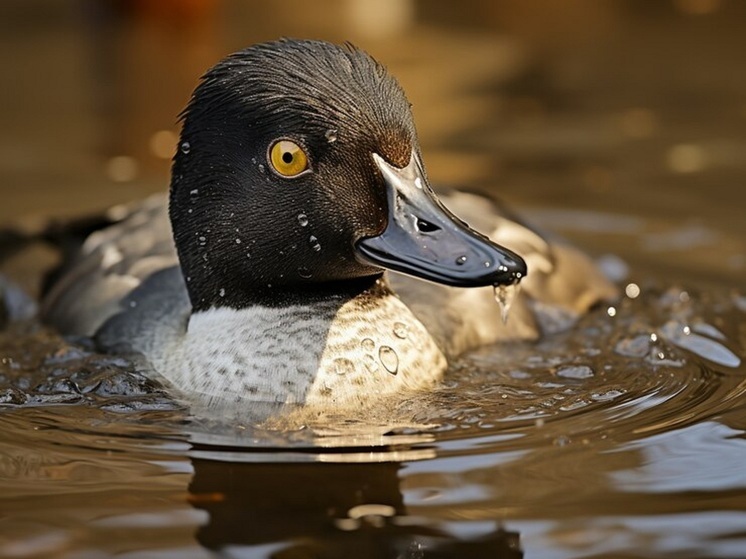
(505, 295)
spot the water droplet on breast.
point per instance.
(368, 344)
(505, 295)
(185, 147)
(343, 366)
(461, 260)
(400, 330)
(305, 273)
(302, 220)
(389, 359)
(331, 135)
(370, 363)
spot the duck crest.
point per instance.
(340, 351)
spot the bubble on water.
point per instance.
(343, 366)
(389, 359)
(302, 220)
(368, 344)
(505, 295)
(185, 147)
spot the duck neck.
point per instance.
(207, 294)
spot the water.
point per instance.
(504, 295)
(590, 443)
(622, 437)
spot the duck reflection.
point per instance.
(323, 510)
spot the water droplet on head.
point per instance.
(389, 359)
(238, 241)
(185, 147)
(505, 295)
(368, 345)
(400, 330)
(461, 260)
(193, 192)
(343, 366)
(302, 220)
(261, 168)
(331, 135)
(305, 273)
(314, 242)
(222, 292)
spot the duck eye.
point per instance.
(288, 158)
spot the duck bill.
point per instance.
(425, 240)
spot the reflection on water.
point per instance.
(619, 125)
(590, 442)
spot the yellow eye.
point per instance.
(288, 158)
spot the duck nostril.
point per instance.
(425, 226)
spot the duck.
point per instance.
(301, 255)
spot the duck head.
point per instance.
(299, 172)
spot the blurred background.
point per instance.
(635, 108)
